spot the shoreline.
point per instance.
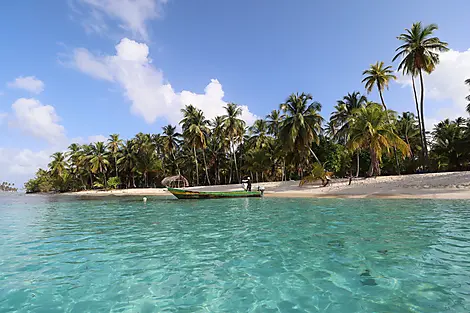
(446, 185)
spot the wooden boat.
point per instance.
(192, 194)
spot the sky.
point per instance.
(79, 70)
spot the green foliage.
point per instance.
(114, 182)
(317, 173)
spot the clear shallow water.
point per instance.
(240, 255)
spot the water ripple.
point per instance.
(240, 255)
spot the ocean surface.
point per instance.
(62, 254)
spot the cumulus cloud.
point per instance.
(132, 15)
(445, 85)
(3, 117)
(145, 87)
(29, 83)
(19, 165)
(38, 120)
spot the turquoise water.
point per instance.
(240, 255)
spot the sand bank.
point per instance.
(419, 186)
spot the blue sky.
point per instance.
(63, 80)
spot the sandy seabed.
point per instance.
(448, 185)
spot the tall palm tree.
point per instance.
(259, 134)
(58, 165)
(171, 141)
(114, 144)
(75, 155)
(341, 116)
(274, 120)
(127, 162)
(218, 144)
(418, 53)
(196, 131)
(99, 161)
(468, 97)
(370, 128)
(408, 129)
(378, 76)
(302, 124)
(234, 128)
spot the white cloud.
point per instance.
(96, 138)
(445, 85)
(37, 119)
(19, 165)
(144, 85)
(3, 117)
(132, 15)
(29, 83)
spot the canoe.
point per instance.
(190, 194)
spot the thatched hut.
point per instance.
(176, 181)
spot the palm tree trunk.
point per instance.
(314, 155)
(417, 112)
(205, 165)
(115, 163)
(394, 148)
(195, 161)
(357, 164)
(235, 160)
(425, 145)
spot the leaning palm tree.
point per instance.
(234, 128)
(418, 53)
(196, 131)
(378, 76)
(302, 124)
(114, 144)
(468, 97)
(340, 118)
(370, 129)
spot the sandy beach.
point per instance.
(448, 185)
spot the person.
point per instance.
(248, 185)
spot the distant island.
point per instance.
(6, 186)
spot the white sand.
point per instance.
(420, 186)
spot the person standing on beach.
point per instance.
(248, 184)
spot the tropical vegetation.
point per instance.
(361, 137)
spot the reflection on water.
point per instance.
(238, 255)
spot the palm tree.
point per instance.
(341, 116)
(302, 124)
(127, 161)
(419, 52)
(274, 120)
(114, 144)
(468, 97)
(407, 128)
(378, 76)
(170, 140)
(259, 134)
(370, 128)
(196, 131)
(234, 128)
(99, 161)
(75, 154)
(58, 165)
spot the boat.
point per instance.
(192, 194)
